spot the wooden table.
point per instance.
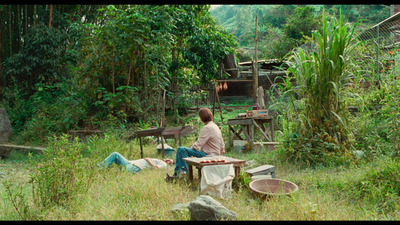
(164, 132)
(194, 161)
(248, 126)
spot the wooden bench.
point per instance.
(262, 170)
(163, 132)
(194, 161)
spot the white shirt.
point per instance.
(143, 164)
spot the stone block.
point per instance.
(5, 126)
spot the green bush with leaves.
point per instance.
(61, 174)
(56, 109)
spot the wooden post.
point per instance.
(141, 147)
(213, 97)
(255, 68)
(219, 104)
(51, 17)
(162, 147)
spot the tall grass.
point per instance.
(317, 121)
(114, 194)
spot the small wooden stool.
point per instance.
(262, 170)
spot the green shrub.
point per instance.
(62, 173)
(57, 109)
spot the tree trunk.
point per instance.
(173, 80)
(144, 78)
(133, 75)
(25, 19)
(113, 76)
(9, 31)
(51, 14)
(162, 123)
(1, 35)
(230, 63)
(34, 15)
(129, 72)
(19, 40)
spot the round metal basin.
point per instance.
(269, 187)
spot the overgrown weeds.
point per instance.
(62, 173)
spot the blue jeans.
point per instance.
(118, 159)
(184, 152)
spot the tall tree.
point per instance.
(9, 30)
(51, 15)
(1, 47)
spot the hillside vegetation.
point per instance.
(281, 27)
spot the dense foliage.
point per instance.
(114, 62)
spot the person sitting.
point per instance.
(134, 166)
(209, 143)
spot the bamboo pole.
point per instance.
(51, 13)
(255, 67)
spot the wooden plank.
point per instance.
(149, 132)
(228, 160)
(248, 137)
(267, 146)
(239, 121)
(262, 132)
(233, 81)
(234, 106)
(260, 169)
(22, 147)
(5, 149)
(237, 134)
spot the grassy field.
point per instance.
(324, 194)
(361, 191)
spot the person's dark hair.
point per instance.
(206, 115)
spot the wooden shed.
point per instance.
(269, 72)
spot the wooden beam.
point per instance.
(233, 81)
(255, 67)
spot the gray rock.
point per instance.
(180, 208)
(5, 126)
(206, 208)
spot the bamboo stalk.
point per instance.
(50, 17)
